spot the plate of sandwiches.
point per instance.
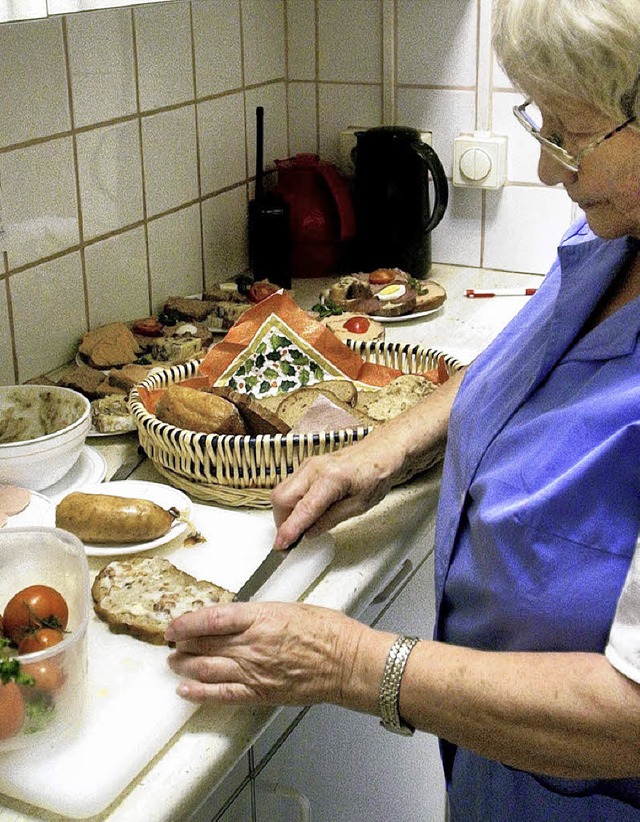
(385, 295)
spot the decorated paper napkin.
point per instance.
(276, 347)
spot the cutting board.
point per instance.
(133, 709)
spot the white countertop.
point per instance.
(369, 548)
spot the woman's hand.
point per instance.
(276, 654)
(329, 489)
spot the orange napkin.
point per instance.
(276, 346)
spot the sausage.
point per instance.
(101, 518)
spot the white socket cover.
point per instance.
(480, 160)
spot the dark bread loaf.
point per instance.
(258, 418)
(140, 596)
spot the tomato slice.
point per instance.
(357, 325)
(148, 327)
(261, 290)
(381, 276)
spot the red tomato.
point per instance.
(357, 325)
(11, 710)
(381, 276)
(35, 607)
(148, 327)
(260, 291)
(48, 675)
(39, 640)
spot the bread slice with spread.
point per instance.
(140, 596)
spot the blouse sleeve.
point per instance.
(623, 647)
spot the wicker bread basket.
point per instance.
(241, 470)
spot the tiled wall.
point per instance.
(127, 145)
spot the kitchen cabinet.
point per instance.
(346, 766)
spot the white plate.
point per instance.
(40, 511)
(163, 495)
(90, 467)
(405, 317)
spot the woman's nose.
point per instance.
(551, 172)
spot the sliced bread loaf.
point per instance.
(399, 395)
(140, 596)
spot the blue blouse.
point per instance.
(540, 509)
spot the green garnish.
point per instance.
(327, 309)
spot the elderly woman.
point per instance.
(532, 677)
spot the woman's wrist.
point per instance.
(362, 670)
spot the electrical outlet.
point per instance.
(480, 160)
(348, 143)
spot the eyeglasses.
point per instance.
(561, 155)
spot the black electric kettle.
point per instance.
(391, 199)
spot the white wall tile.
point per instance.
(7, 374)
(33, 91)
(102, 66)
(301, 39)
(170, 159)
(221, 130)
(444, 112)
(457, 239)
(303, 134)
(437, 42)
(524, 226)
(110, 171)
(263, 40)
(273, 100)
(342, 106)
(58, 310)
(500, 79)
(349, 41)
(216, 36)
(117, 286)
(175, 256)
(165, 65)
(39, 200)
(224, 222)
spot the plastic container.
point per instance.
(49, 556)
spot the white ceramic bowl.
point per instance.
(43, 429)
(51, 711)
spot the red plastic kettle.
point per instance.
(322, 217)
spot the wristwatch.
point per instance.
(390, 686)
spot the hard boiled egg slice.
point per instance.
(391, 292)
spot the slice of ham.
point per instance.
(323, 415)
(13, 499)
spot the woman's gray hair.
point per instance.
(585, 49)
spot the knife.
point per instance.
(283, 576)
(129, 465)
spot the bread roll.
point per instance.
(199, 411)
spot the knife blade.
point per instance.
(283, 576)
(129, 465)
